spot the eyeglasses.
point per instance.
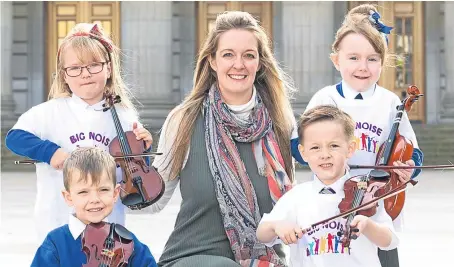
(92, 68)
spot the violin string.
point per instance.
(356, 200)
(123, 146)
(110, 246)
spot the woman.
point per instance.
(228, 145)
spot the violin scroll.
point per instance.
(413, 95)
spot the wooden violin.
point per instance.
(107, 245)
(397, 148)
(141, 185)
(362, 193)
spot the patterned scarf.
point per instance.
(234, 190)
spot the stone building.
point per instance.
(160, 42)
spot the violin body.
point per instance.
(152, 185)
(107, 245)
(402, 150)
(141, 185)
(374, 188)
(360, 190)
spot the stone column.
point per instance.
(447, 95)
(146, 39)
(433, 60)
(307, 35)
(7, 117)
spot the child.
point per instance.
(91, 188)
(326, 135)
(359, 52)
(87, 68)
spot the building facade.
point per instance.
(160, 41)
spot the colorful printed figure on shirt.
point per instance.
(88, 66)
(326, 233)
(91, 189)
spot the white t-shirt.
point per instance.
(373, 116)
(321, 246)
(68, 122)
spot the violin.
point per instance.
(397, 148)
(141, 185)
(107, 245)
(362, 194)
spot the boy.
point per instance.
(91, 188)
(326, 134)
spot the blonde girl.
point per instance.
(88, 67)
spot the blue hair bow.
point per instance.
(375, 19)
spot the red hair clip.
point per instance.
(95, 34)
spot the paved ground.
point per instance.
(428, 239)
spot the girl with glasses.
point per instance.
(88, 68)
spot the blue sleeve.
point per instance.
(141, 256)
(295, 152)
(46, 255)
(26, 144)
(418, 158)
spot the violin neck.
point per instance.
(124, 145)
(392, 136)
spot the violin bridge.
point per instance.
(362, 185)
(108, 253)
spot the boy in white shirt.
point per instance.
(327, 137)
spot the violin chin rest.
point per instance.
(123, 232)
(132, 199)
(379, 174)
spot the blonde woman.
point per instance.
(88, 66)
(228, 145)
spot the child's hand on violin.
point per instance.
(289, 233)
(404, 174)
(359, 223)
(58, 159)
(142, 134)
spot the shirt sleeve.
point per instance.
(46, 255)
(321, 97)
(382, 218)
(26, 136)
(294, 142)
(142, 256)
(33, 120)
(26, 144)
(284, 210)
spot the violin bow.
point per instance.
(391, 193)
(382, 167)
(150, 154)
